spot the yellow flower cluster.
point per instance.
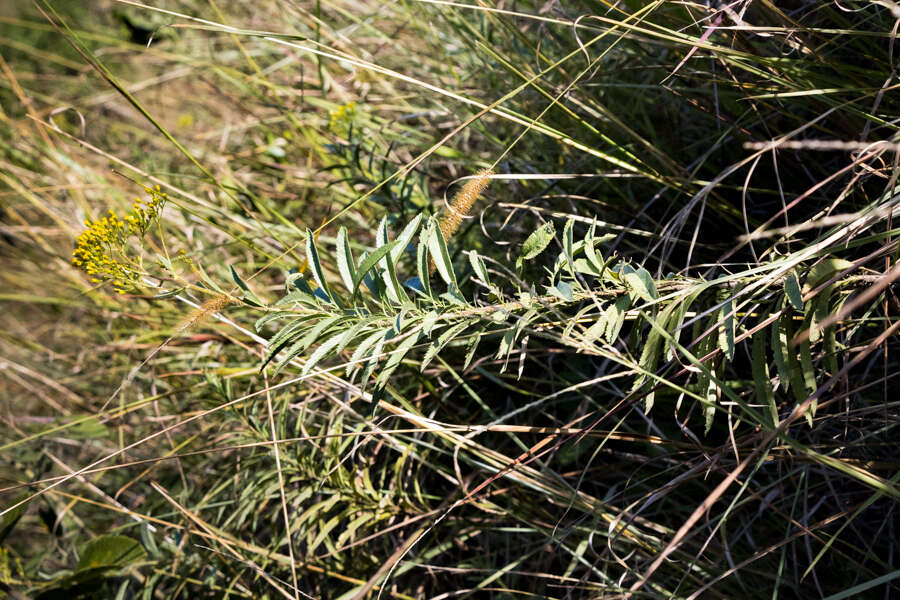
(341, 117)
(100, 250)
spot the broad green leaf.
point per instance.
(109, 552)
(596, 330)
(478, 268)
(615, 317)
(563, 290)
(823, 271)
(538, 241)
(640, 282)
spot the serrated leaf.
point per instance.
(792, 290)
(312, 257)
(615, 317)
(726, 339)
(346, 265)
(396, 357)
(439, 343)
(311, 337)
(709, 408)
(405, 237)
(780, 350)
(538, 241)
(478, 268)
(641, 282)
(437, 247)
(321, 352)
(360, 353)
(568, 244)
(761, 376)
(368, 262)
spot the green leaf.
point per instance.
(12, 517)
(640, 282)
(761, 376)
(809, 377)
(109, 552)
(709, 408)
(405, 237)
(596, 330)
(478, 268)
(308, 340)
(368, 263)
(363, 348)
(615, 317)
(437, 345)
(792, 289)
(538, 241)
(726, 338)
(321, 352)
(312, 257)
(437, 246)
(237, 279)
(823, 271)
(397, 356)
(422, 263)
(345, 263)
(780, 349)
(568, 243)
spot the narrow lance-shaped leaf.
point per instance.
(792, 290)
(437, 246)
(368, 263)
(761, 376)
(312, 256)
(346, 265)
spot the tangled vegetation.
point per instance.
(438, 299)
